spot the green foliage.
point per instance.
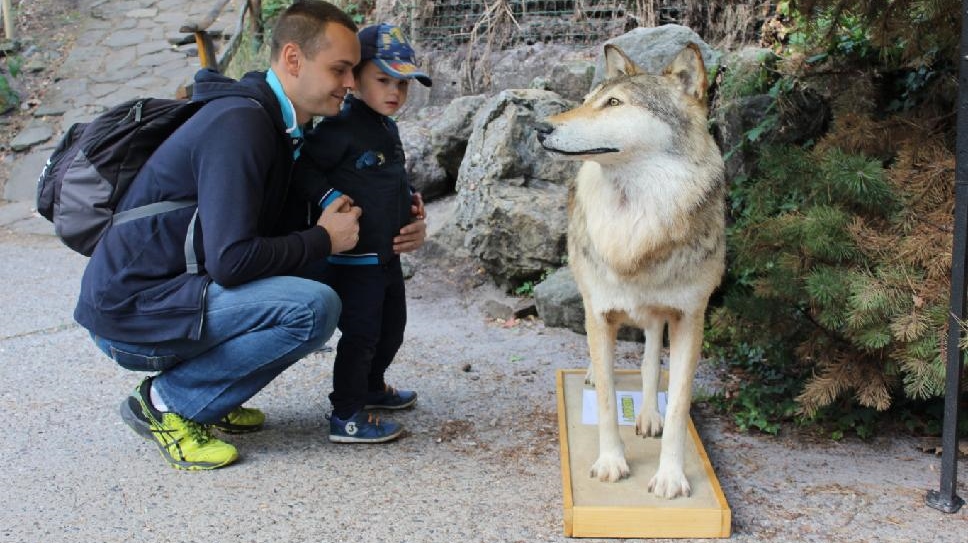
(839, 420)
(272, 8)
(14, 65)
(925, 417)
(357, 10)
(764, 398)
(748, 79)
(526, 288)
(914, 43)
(799, 282)
(8, 98)
(829, 302)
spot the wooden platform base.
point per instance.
(626, 509)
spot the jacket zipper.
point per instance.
(201, 318)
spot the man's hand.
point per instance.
(341, 219)
(417, 207)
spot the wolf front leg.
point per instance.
(685, 341)
(649, 420)
(611, 465)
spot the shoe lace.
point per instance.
(373, 419)
(198, 432)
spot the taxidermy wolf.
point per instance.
(645, 239)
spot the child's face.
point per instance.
(384, 93)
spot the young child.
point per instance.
(359, 154)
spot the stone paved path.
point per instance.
(123, 51)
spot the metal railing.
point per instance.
(208, 56)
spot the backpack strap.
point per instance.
(148, 210)
(156, 208)
(191, 261)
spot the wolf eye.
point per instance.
(612, 102)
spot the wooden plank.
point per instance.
(626, 508)
(565, 462)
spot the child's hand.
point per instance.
(411, 237)
(341, 220)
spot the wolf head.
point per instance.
(633, 112)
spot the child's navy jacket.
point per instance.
(359, 154)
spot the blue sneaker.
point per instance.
(362, 427)
(391, 398)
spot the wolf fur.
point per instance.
(645, 239)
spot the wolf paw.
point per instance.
(610, 469)
(669, 484)
(648, 423)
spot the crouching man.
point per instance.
(217, 330)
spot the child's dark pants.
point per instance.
(372, 323)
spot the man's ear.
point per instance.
(290, 59)
(689, 71)
(618, 63)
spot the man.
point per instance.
(220, 330)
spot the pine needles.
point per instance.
(840, 247)
(853, 257)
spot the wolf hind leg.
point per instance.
(611, 464)
(649, 420)
(685, 341)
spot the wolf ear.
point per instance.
(690, 71)
(617, 63)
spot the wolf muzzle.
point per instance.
(545, 129)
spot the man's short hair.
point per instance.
(304, 23)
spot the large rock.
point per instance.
(569, 78)
(434, 139)
(516, 68)
(450, 131)
(653, 48)
(423, 166)
(511, 194)
(559, 302)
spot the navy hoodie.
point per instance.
(235, 159)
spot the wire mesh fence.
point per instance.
(451, 24)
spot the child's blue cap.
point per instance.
(386, 46)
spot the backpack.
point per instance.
(94, 164)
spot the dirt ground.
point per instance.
(792, 487)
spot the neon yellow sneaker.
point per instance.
(184, 443)
(241, 420)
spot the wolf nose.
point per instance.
(543, 129)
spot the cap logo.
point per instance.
(403, 67)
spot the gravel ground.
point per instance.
(480, 460)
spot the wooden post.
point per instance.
(256, 23)
(6, 9)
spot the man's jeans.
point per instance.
(250, 334)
